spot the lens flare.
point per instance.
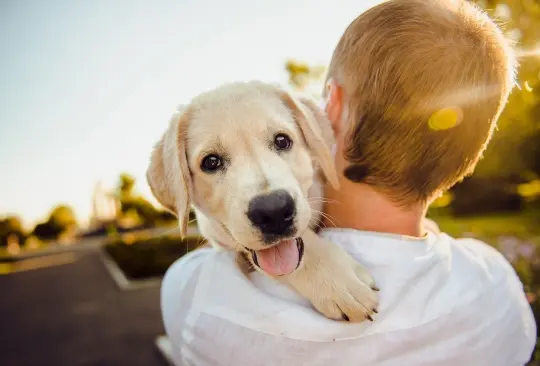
(445, 118)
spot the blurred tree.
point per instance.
(63, 216)
(531, 152)
(520, 121)
(126, 185)
(304, 77)
(11, 226)
(61, 220)
(137, 207)
(46, 231)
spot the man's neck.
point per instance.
(358, 206)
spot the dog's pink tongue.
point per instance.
(281, 259)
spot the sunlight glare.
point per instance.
(523, 53)
(464, 96)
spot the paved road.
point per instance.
(73, 314)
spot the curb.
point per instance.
(120, 279)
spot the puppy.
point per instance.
(251, 160)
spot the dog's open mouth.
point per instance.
(281, 259)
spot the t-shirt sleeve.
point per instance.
(177, 292)
(525, 324)
(520, 325)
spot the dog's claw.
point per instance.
(375, 311)
(369, 317)
(345, 317)
(375, 288)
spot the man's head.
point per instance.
(414, 91)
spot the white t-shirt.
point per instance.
(443, 302)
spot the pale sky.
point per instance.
(87, 87)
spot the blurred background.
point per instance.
(87, 88)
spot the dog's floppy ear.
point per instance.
(317, 132)
(168, 173)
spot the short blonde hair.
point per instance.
(398, 64)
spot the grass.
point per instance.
(522, 225)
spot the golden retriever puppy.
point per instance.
(250, 159)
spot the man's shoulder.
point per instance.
(472, 256)
(480, 274)
(500, 300)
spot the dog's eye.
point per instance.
(282, 141)
(211, 163)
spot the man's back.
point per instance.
(443, 302)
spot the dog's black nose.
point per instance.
(273, 213)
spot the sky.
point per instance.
(87, 87)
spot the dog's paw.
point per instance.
(336, 285)
(350, 294)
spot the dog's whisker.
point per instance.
(171, 231)
(331, 221)
(202, 240)
(321, 199)
(327, 217)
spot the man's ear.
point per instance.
(334, 105)
(317, 132)
(168, 174)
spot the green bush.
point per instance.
(11, 226)
(61, 219)
(480, 196)
(150, 257)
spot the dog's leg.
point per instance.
(337, 285)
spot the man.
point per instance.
(414, 91)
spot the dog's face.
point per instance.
(244, 155)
